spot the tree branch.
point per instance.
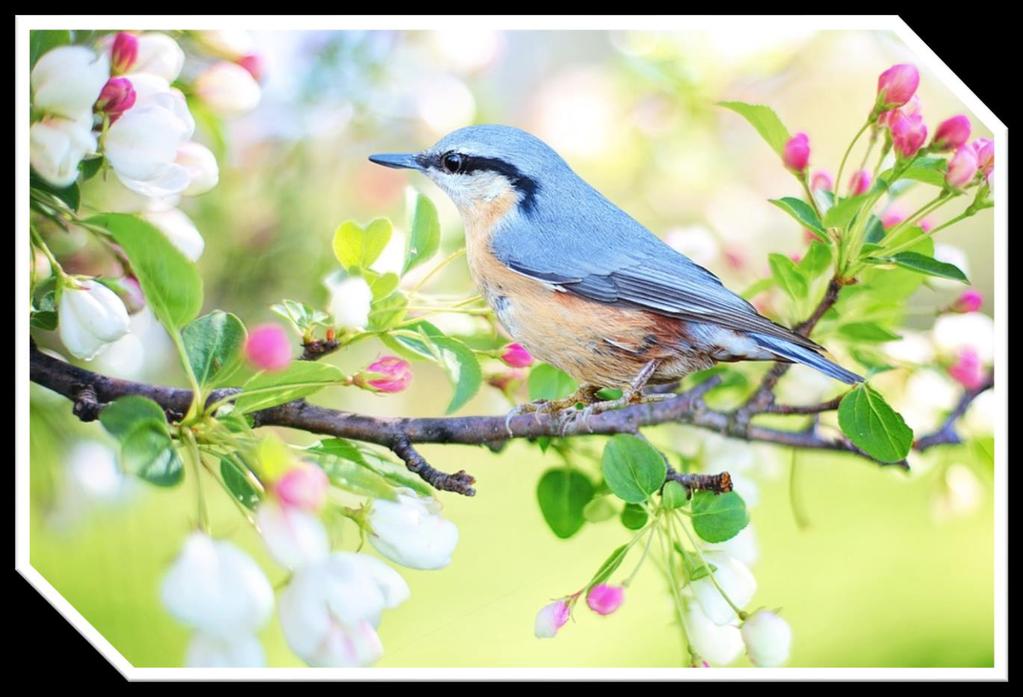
(90, 392)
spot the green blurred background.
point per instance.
(893, 569)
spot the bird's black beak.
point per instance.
(397, 160)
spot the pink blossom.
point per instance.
(253, 62)
(123, 53)
(393, 374)
(822, 181)
(892, 217)
(910, 108)
(926, 224)
(116, 97)
(796, 153)
(550, 619)
(967, 370)
(969, 301)
(897, 85)
(304, 486)
(268, 347)
(908, 133)
(516, 356)
(859, 183)
(952, 133)
(962, 167)
(985, 150)
(604, 599)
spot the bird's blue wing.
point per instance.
(599, 252)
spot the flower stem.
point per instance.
(841, 167)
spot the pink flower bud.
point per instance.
(822, 181)
(123, 53)
(859, 183)
(926, 224)
(268, 347)
(304, 486)
(962, 167)
(908, 133)
(969, 301)
(796, 154)
(516, 356)
(892, 217)
(604, 599)
(897, 85)
(388, 374)
(967, 370)
(951, 133)
(116, 97)
(550, 619)
(506, 380)
(985, 150)
(796, 257)
(254, 64)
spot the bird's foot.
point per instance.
(564, 407)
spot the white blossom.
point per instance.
(768, 639)
(217, 588)
(331, 608)
(350, 302)
(718, 644)
(294, 537)
(742, 546)
(90, 317)
(142, 146)
(952, 333)
(203, 172)
(67, 80)
(228, 89)
(57, 145)
(733, 578)
(210, 651)
(411, 532)
(180, 230)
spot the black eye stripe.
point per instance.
(471, 164)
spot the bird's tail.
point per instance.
(799, 354)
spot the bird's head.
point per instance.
(483, 166)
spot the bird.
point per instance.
(581, 284)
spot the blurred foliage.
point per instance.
(874, 580)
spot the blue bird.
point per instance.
(580, 283)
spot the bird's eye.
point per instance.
(452, 162)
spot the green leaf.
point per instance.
(69, 195)
(843, 212)
(673, 495)
(762, 118)
(358, 479)
(634, 516)
(327, 451)
(928, 266)
(875, 232)
(547, 382)
(148, 452)
(413, 341)
(357, 247)
(424, 236)
(609, 566)
(387, 312)
(124, 414)
(867, 331)
(213, 343)
(718, 517)
(240, 486)
(90, 168)
(873, 426)
(632, 468)
(928, 170)
(562, 494)
(303, 317)
(816, 260)
(41, 41)
(462, 368)
(788, 276)
(803, 213)
(170, 282)
(299, 379)
(599, 509)
(382, 285)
